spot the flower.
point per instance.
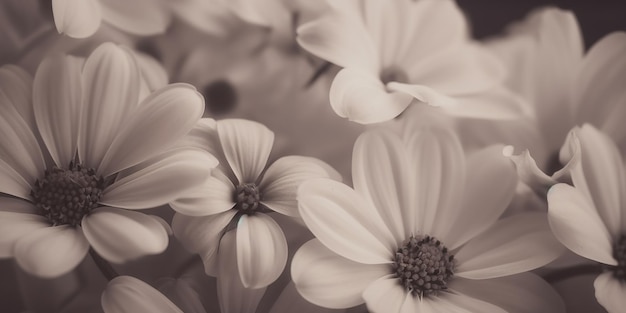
(241, 194)
(86, 145)
(419, 201)
(393, 52)
(126, 294)
(590, 217)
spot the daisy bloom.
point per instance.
(241, 193)
(84, 146)
(589, 218)
(391, 55)
(126, 294)
(420, 232)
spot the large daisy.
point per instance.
(420, 232)
(84, 146)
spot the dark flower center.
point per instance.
(247, 198)
(64, 196)
(394, 74)
(423, 265)
(619, 253)
(221, 97)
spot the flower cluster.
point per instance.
(310, 156)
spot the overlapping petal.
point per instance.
(213, 196)
(14, 226)
(610, 292)
(139, 17)
(386, 294)
(126, 294)
(77, 18)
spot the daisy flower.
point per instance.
(420, 232)
(589, 218)
(126, 294)
(241, 194)
(84, 147)
(390, 56)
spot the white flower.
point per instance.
(590, 218)
(84, 146)
(393, 52)
(125, 294)
(423, 195)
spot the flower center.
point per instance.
(394, 74)
(247, 198)
(619, 253)
(64, 196)
(423, 265)
(221, 97)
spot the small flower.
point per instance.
(590, 217)
(420, 232)
(84, 146)
(242, 194)
(125, 294)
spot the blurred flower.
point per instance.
(239, 195)
(390, 56)
(82, 143)
(420, 232)
(125, 294)
(590, 218)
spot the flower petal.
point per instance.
(386, 295)
(57, 105)
(17, 86)
(202, 235)
(152, 185)
(77, 18)
(280, 182)
(122, 235)
(52, 251)
(513, 245)
(213, 196)
(361, 97)
(125, 294)
(162, 119)
(329, 280)
(577, 225)
(111, 81)
(13, 183)
(139, 17)
(610, 292)
(261, 250)
(247, 146)
(461, 303)
(345, 222)
(14, 226)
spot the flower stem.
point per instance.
(105, 267)
(569, 272)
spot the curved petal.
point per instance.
(576, 224)
(497, 103)
(138, 17)
(529, 172)
(51, 251)
(386, 295)
(213, 196)
(121, 235)
(461, 303)
(280, 182)
(610, 292)
(247, 146)
(379, 170)
(361, 97)
(111, 82)
(513, 245)
(152, 185)
(13, 183)
(181, 292)
(345, 222)
(57, 105)
(14, 226)
(202, 235)
(77, 18)
(329, 280)
(204, 136)
(261, 250)
(161, 119)
(125, 294)
(523, 293)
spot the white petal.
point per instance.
(379, 170)
(513, 245)
(489, 188)
(77, 18)
(247, 146)
(577, 225)
(122, 235)
(261, 250)
(361, 97)
(345, 222)
(497, 103)
(13, 183)
(153, 75)
(162, 119)
(17, 86)
(204, 136)
(125, 294)
(14, 226)
(52, 251)
(111, 82)
(461, 303)
(610, 292)
(386, 295)
(280, 182)
(57, 105)
(202, 235)
(529, 172)
(232, 294)
(165, 179)
(213, 196)
(138, 17)
(329, 280)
